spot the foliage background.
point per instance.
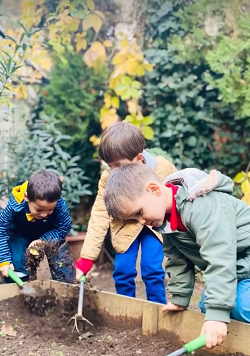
(181, 75)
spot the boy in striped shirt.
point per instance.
(35, 213)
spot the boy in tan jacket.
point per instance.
(123, 143)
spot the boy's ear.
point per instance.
(154, 189)
(25, 197)
(138, 158)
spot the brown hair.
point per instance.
(44, 185)
(125, 183)
(121, 140)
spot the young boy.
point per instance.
(203, 225)
(35, 213)
(123, 143)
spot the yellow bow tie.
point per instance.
(30, 217)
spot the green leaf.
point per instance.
(11, 38)
(240, 177)
(136, 84)
(148, 132)
(192, 141)
(23, 27)
(148, 120)
(134, 93)
(120, 87)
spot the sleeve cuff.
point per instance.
(182, 300)
(217, 315)
(6, 263)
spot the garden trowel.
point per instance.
(23, 287)
(190, 346)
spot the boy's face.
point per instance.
(40, 209)
(149, 208)
(120, 162)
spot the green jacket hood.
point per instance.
(198, 183)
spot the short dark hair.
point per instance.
(121, 140)
(44, 185)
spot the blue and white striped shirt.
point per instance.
(13, 220)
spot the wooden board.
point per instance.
(185, 325)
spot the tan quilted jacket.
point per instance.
(122, 235)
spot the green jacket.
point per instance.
(217, 241)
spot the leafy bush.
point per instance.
(73, 97)
(157, 151)
(28, 152)
(197, 92)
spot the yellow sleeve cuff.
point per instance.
(4, 264)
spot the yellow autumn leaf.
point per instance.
(8, 330)
(107, 100)
(96, 53)
(91, 5)
(97, 23)
(92, 20)
(95, 140)
(20, 91)
(245, 187)
(132, 106)
(108, 43)
(33, 252)
(73, 26)
(115, 102)
(100, 14)
(113, 82)
(131, 67)
(118, 59)
(87, 23)
(140, 71)
(138, 56)
(108, 118)
(148, 67)
(246, 198)
(82, 44)
(148, 132)
(119, 71)
(240, 177)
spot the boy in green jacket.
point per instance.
(202, 225)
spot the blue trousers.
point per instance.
(18, 246)
(153, 275)
(241, 312)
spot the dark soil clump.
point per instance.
(60, 262)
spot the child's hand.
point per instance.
(35, 242)
(79, 273)
(216, 332)
(4, 270)
(83, 266)
(172, 307)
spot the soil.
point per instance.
(49, 334)
(42, 329)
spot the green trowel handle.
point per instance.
(82, 279)
(196, 344)
(15, 278)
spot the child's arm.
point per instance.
(62, 225)
(97, 229)
(181, 273)
(213, 222)
(6, 218)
